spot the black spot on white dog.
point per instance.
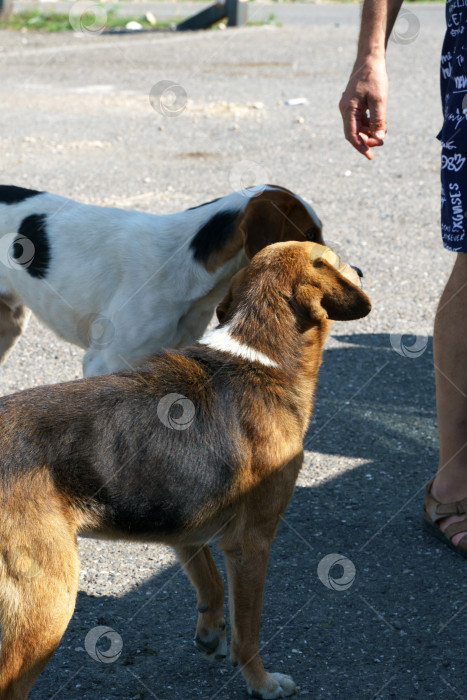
(31, 247)
(10, 194)
(213, 235)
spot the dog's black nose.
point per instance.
(357, 270)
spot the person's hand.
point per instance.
(363, 105)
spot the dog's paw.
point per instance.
(212, 645)
(278, 685)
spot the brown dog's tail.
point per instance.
(39, 570)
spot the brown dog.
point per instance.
(107, 456)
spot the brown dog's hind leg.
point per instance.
(39, 570)
(203, 574)
(13, 320)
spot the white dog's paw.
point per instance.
(278, 685)
(212, 645)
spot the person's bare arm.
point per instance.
(363, 103)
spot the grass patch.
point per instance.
(50, 21)
(47, 20)
(272, 19)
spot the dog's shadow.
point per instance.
(352, 597)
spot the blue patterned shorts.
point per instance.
(454, 199)
(453, 135)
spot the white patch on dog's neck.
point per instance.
(222, 339)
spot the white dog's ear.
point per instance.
(236, 282)
(276, 215)
(326, 293)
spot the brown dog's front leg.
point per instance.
(202, 572)
(247, 573)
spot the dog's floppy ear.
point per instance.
(235, 283)
(326, 294)
(274, 216)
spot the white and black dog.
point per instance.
(124, 284)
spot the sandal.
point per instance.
(434, 511)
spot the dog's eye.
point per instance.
(310, 235)
(357, 270)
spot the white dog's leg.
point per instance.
(13, 320)
(94, 363)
